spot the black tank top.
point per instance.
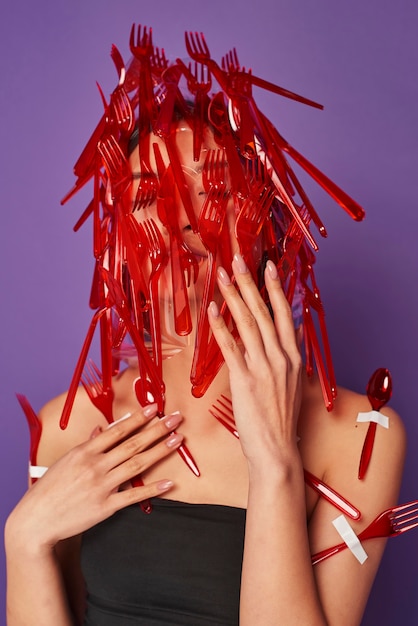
(180, 565)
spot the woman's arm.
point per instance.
(279, 584)
(78, 491)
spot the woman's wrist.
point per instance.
(276, 472)
(20, 537)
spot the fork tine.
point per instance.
(222, 411)
(203, 44)
(93, 375)
(132, 38)
(404, 519)
(403, 507)
(141, 42)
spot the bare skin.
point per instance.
(274, 405)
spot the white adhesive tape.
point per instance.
(121, 419)
(350, 538)
(37, 471)
(374, 416)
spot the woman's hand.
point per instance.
(264, 367)
(82, 488)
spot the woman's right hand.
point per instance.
(83, 487)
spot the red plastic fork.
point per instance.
(116, 165)
(35, 428)
(75, 381)
(181, 258)
(118, 299)
(218, 116)
(142, 48)
(120, 111)
(230, 63)
(343, 199)
(211, 220)
(251, 218)
(158, 254)
(159, 62)
(221, 410)
(118, 116)
(101, 397)
(199, 83)
(198, 50)
(240, 91)
(391, 523)
(169, 95)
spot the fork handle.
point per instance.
(325, 554)
(373, 531)
(182, 317)
(331, 495)
(187, 457)
(202, 335)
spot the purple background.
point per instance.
(358, 58)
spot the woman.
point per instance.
(230, 541)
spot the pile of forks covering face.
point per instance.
(146, 272)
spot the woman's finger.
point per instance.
(282, 312)
(255, 303)
(250, 312)
(246, 322)
(231, 351)
(123, 427)
(138, 442)
(138, 463)
(133, 495)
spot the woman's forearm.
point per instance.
(278, 585)
(35, 589)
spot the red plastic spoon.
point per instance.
(379, 392)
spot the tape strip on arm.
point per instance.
(350, 538)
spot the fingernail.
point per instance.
(223, 276)
(150, 410)
(124, 417)
(172, 420)
(96, 432)
(240, 264)
(164, 485)
(213, 309)
(174, 440)
(272, 270)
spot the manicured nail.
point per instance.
(164, 485)
(96, 432)
(150, 410)
(124, 417)
(240, 264)
(172, 420)
(272, 270)
(213, 309)
(174, 440)
(223, 276)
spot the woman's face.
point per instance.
(192, 171)
(190, 240)
(193, 175)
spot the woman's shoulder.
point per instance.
(332, 442)
(84, 418)
(56, 441)
(351, 412)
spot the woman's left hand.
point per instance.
(264, 366)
